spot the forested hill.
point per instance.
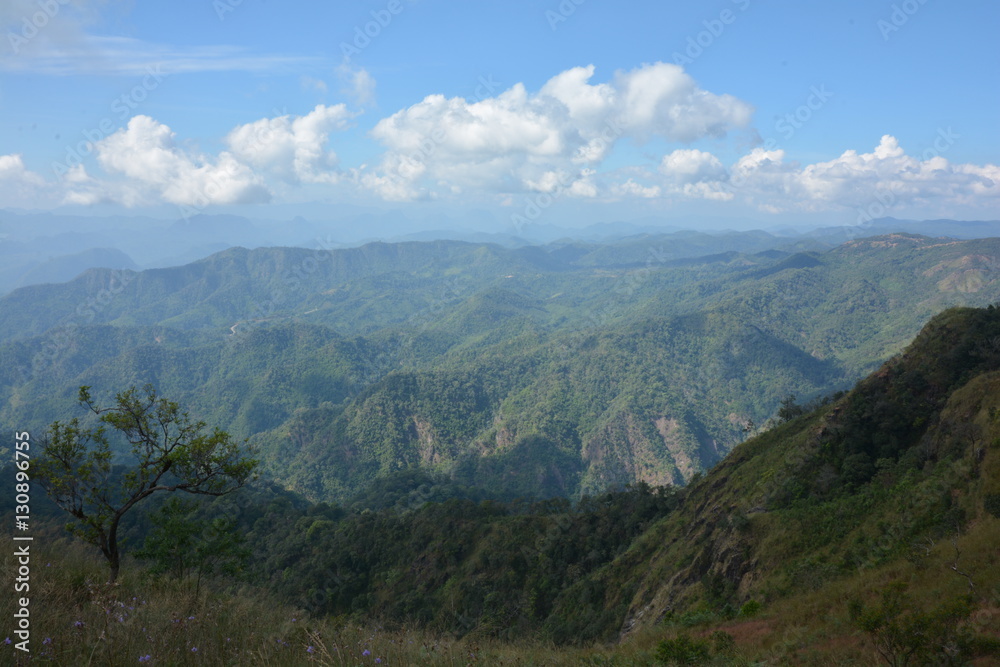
(552, 370)
(877, 513)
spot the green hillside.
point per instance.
(558, 370)
(892, 487)
(863, 528)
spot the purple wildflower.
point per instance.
(366, 653)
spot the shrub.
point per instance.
(683, 650)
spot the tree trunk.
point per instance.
(111, 551)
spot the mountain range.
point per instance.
(535, 371)
(690, 449)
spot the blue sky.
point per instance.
(572, 112)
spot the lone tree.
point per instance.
(169, 451)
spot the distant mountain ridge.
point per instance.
(27, 239)
(538, 370)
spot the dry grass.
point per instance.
(78, 620)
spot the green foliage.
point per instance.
(180, 543)
(631, 360)
(903, 634)
(496, 569)
(169, 452)
(403, 391)
(880, 423)
(684, 650)
(789, 409)
(991, 503)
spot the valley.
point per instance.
(629, 457)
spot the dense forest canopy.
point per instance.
(537, 371)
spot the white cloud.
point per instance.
(12, 170)
(587, 106)
(691, 166)
(550, 181)
(630, 189)
(81, 188)
(661, 99)
(310, 83)
(396, 179)
(293, 148)
(853, 180)
(18, 184)
(145, 153)
(144, 164)
(359, 84)
(583, 186)
(510, 142)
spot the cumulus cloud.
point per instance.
(691, 166)
(146, 154)
(293, 148)
(630, 189)
(81, 188)
(396, 179)
(765, 179)
(511, 141)
(147, 165)
(662, 100)
(12, 170)
(694, 174)
(855, 179)
(18, 184)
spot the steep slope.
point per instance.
(570, 376)
(566, 417)
(801, 547)
(897, 480)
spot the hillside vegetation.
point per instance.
(553, 371)
(899, 475)
(861, 532)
